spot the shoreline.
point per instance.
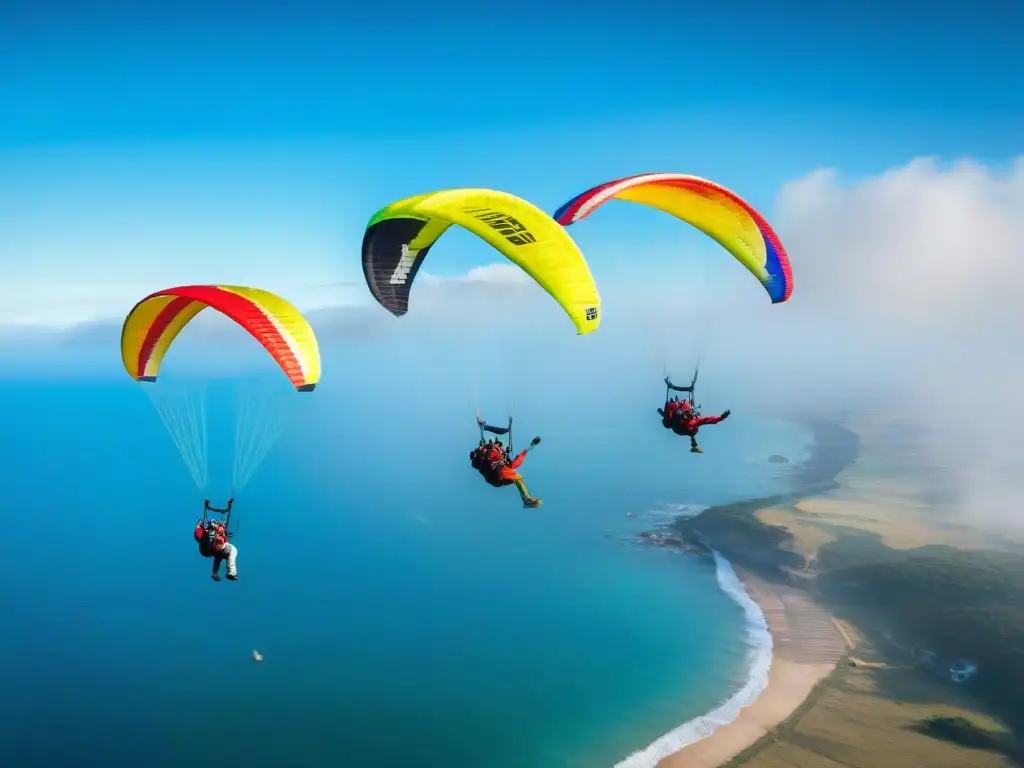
(804, 643)
(760, 642)
(807, 647)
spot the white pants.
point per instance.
(229, 552)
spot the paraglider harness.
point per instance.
(485, 467)
(690, 390)
(209, 534)
(486, 470)
(485, 427)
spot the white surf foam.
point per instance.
(759, 654)
(669, 513)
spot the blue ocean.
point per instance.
(408, 613)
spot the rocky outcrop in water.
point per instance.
(671, 540)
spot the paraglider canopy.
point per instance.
(399, 236)
(154, 324)
(718, 212)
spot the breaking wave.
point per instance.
(759, 654)
(669, 513)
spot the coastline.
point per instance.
(807, 646)
(803, 643)
(759, 640)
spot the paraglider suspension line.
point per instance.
(485, 427)
(227, 520)
(689, 390)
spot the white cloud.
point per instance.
(918, 246)
(493, 289)
(83, 321)
(491, 273)
(54, 305)
(921, 260)
(909, 285)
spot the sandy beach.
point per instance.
(807, 646)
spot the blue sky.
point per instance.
(141, 148)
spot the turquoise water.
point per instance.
(407, 611)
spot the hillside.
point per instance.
(955, 604)
(873, 536)
(877, 715)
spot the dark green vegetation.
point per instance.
(835, 449)
(964, 733)
(955, 603)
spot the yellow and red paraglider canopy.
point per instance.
(718, 212)
(154, 323)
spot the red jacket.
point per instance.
(692, 422)
(675, 405)
(219, 541)
(517, 460)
